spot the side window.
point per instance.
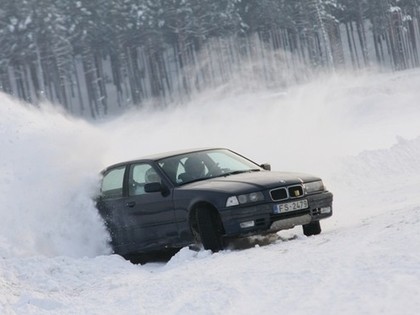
(141, 174)
(112, 183)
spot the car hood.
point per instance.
(251, 181)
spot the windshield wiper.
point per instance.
(241, 171)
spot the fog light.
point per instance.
(325, 210)
(247, 224)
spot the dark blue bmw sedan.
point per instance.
(204, 196)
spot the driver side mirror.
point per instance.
(156, 187)
(153, 187)
(266, 166)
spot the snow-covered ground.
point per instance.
(361, 134)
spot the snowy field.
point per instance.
(361, 134)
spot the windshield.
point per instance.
(194, 166)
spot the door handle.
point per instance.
(130, 204)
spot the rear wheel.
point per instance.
(313, 228)
(209, 229)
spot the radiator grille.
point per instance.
(284, 193)
(295, 191)
(279, 194)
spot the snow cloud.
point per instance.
(331, 127)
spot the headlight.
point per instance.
(314, 186)
(245, 198)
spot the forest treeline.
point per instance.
(94, 57)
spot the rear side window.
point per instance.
(112, 183)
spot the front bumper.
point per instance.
(261, 218)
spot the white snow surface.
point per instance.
(360, 133)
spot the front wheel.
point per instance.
(313, 228)
(209, 229)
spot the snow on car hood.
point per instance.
(251, 181)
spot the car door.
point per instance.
(111, 204)
(149, 216)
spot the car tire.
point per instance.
(209, 229)
(313, 228)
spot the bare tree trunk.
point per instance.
(362, 39)
(89, 71)
(79, 90)
(354, 45)
(5, 84)
(325, 38)
(413, 43)
(100, 81)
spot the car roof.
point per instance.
(158, 156)
(163, 155)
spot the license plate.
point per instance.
(291, 206)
